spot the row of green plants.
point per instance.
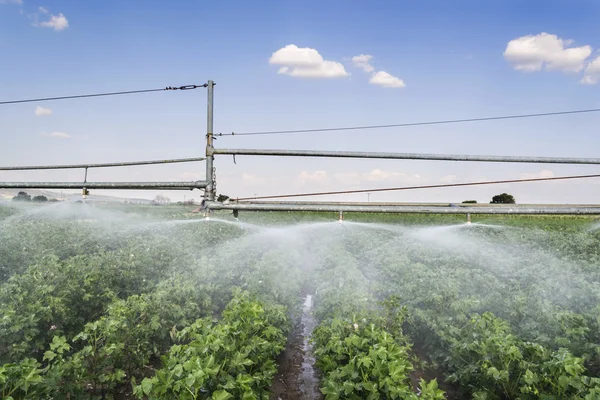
(484, 357)
(99, 313)
(363, 359)
(230, 358)
(94, 311)
(360, 349)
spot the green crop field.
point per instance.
(150, 302)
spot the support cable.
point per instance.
(419, 187)
(185, 87)
(402, 125)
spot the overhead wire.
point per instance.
(445, 185)
(402, 125)
(79, 96)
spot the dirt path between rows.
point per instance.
(295, 379)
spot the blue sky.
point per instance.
(453, 60)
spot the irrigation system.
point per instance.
(210, 188)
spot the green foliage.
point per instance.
(360, 360)
(233, 358)
(39, 199)
(22, 196)
(503, 198)
(18, 380)
(470, 202)
(59, 297)
(487, 358)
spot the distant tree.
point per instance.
(40, 199)
(53, 200)
(22, 196)
(503, 198)
(470, 202)
(160, 199)
(222, 198)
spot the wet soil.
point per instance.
(287, 382)
(295, 378)
(429, 373)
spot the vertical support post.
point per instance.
(209, 191)
(84, 191)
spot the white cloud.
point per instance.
(43, 10)
(546, 173)
(449, 178)
(591, 75)
(59, 135)
(362, 61)
(534, 52)
(57, 22)
(318, 177)
(376, 175)
(382, 78)
(41, 111)
(305, 63)
(190, 176)
(252, 179)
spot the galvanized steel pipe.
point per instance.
(106, 185)
(401, 209)
(404, 156)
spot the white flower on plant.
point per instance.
(53, 327)
(355, 327)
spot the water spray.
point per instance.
(341, 217)
(468, 218)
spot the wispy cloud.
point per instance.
(41, 111)
(317, 177)
(362, 61)
(546, 173)
(11, 1)
(304, 62)
(591, 75)
(58, 135)
(379, 78)
(376, 175)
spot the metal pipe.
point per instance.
(104, 165)
(403, 156)
(105, 185)
(521, 210)
(209, 192)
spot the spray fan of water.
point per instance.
(485, 266)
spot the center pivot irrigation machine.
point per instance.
(209, 184)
